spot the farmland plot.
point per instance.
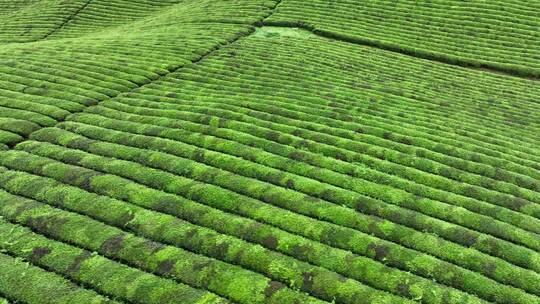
(500, 35)
(187, 152)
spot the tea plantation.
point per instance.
(235, 151)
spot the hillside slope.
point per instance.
(194, 152)
(500, 35)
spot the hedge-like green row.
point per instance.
(9, 138)
(208, 196)
(233, 282)
(42, 78)
(101, 15)
(345, 127)
(36, 76)
(17, 126)
(31, 117)
(4, 301)
(26, 21)
(206, 241)
(471, 34)
(83, 266)
(390, 67)
(511, 216)
(44, 109)
(525, 258)
(76, 71)
(26, 283)
(162, 161)
(378, 144)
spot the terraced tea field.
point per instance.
(234, 151)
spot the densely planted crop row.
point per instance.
(89, 182)
(43, 82)
(434, 168)
(240, 285)
(164, 161)
(24, 21)
(86, 267)
(273, 170)
(323, 191)
(501, 34)
(102, 15)
(315, 276)
(29, 284)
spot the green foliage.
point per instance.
(25, 282)
(195, 270)
(183, 152)
(499, 35)
(86, 267)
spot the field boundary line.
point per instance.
(68, 19)
(436, 57)
(242, 33)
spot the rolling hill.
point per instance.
(233, 151)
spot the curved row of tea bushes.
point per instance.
(501, 35)
(104, 275)
(328, 177)
(25, 283)
(56, 171)
(27, 21)
(99, 15)
(362, 266)
(237, 284)
(115, 15)
(387, 167)
(163, 162)
(43, 82)
(344, 123)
